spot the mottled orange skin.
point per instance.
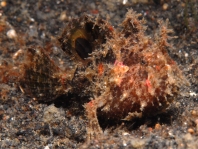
(143, 80)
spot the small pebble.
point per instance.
(157, 126)
(16, 54)
(191, 131)
(124, 2)
(192, 94)
(11, 34)
(186, 54)
(124, 143)
(63, 16)
(125, 134)
(194, 113)
(3, 3)
(165, 6)
(46, 147)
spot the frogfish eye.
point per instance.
(83, 36)
(83, 47)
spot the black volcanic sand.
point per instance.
(26, 123)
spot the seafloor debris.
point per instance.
(125, 73)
